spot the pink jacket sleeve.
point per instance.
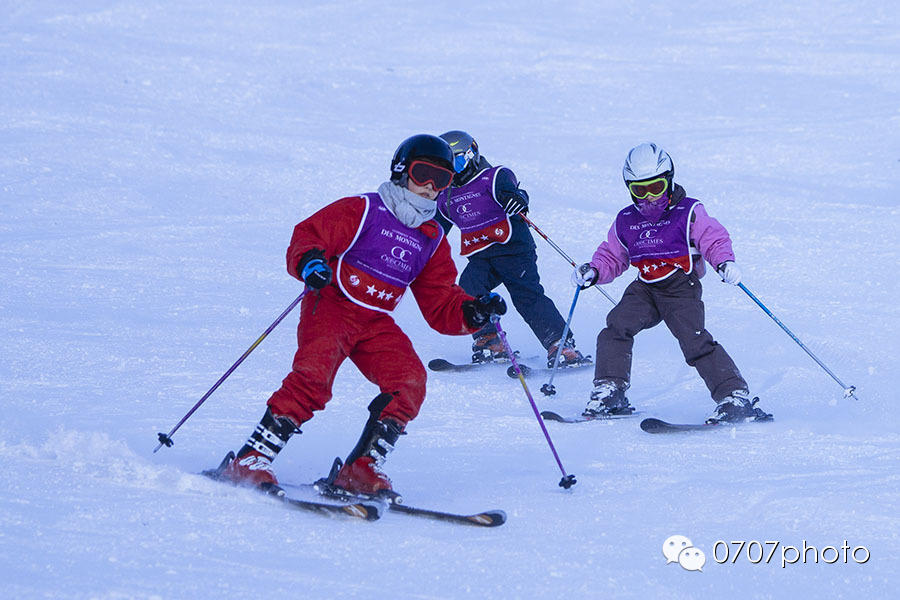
(710, 237)
(611, 257)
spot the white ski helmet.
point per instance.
(647, 161)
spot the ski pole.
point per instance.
(547, 389)
(848, 390)
(561, 253)
(567, 481)
(166, 439)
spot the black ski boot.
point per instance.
(738, 407)
(607, 399)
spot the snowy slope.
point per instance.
(156, 156)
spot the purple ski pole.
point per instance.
(567, 480)
(166, 439)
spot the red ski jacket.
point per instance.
(332, 230)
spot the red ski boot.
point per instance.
(363, 476)
(253, 470)
(361, 473)
(253, 465)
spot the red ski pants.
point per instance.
(332, 329)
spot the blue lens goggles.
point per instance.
(462, 159)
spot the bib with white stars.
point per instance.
(384, 257)
(472, 208)
(658, 249)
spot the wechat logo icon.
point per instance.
(678, 548)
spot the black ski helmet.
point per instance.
(424, 146)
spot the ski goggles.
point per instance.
(652, 187)
(422, 173)
(462, 159)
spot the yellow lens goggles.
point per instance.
(651, 187)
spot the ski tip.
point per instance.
(651, 425)
(549, 415)
(490, 518)
(439, 364)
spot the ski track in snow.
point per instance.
(157, 156)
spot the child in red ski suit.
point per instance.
(358, 256)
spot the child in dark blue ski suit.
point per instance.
(483, 203)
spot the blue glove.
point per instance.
(314, 270)
(479, 311)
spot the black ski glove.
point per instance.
(478, 312)
(514, 200)
(313, 269)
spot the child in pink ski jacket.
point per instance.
(666, 236)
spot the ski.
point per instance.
(367, 509)
(488, 518)
(442, 365)
(652, 425)
(439, 364)
(394, 502)
(363, 509)
(540, 371)
(549, 415)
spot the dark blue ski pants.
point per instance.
(514, 264)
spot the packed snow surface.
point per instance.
(156, 156)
